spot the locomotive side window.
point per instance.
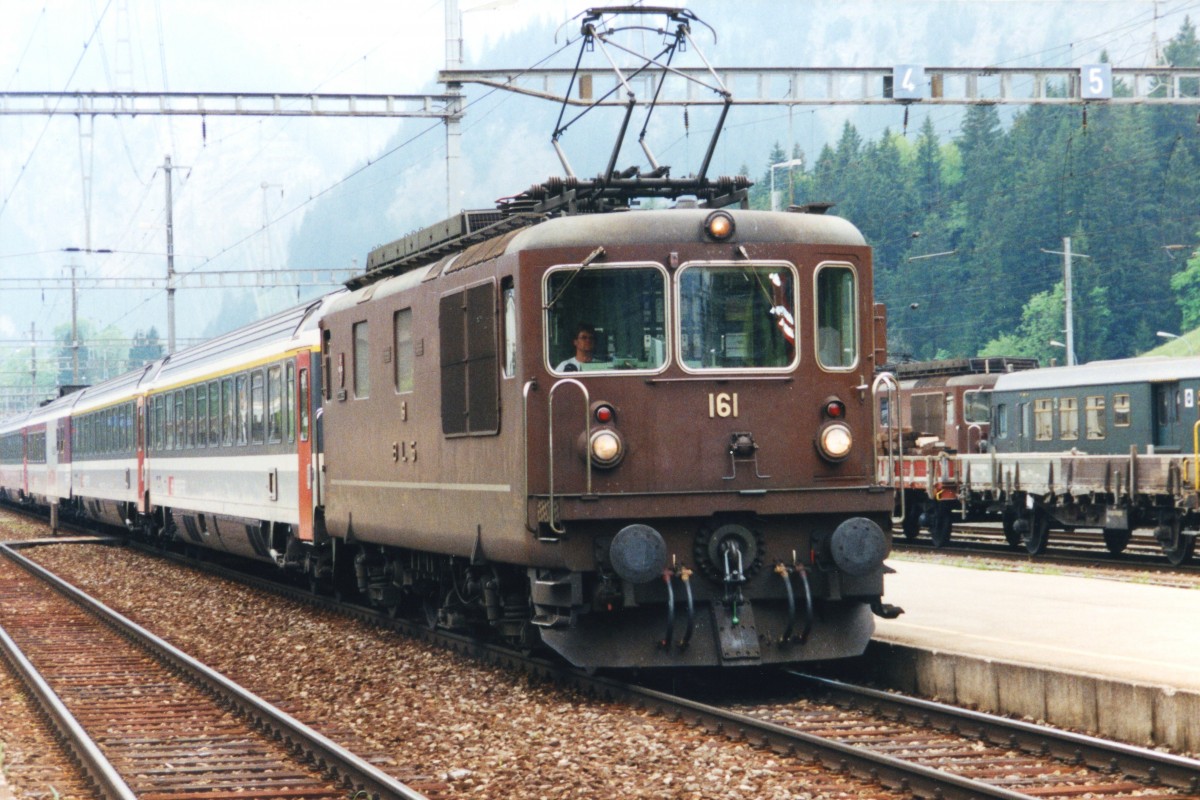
(470, 374)
(1000, 425)
(605, 318)
(1121, 413)
(976, 405)
(1095, 417)
(836, 318)
(402, 325)
(1068, 418)
(1043, 420)
(508, 306)
(927, 414)
(362, 361)
(737, 316)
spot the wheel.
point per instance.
(1116, 539)
(939, 528)
(1008, 521)
(1178, 548)
(1039, 533)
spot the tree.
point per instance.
(1186, 285)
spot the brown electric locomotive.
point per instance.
(644, 438)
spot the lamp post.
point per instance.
(795, 162)
(1171, 336)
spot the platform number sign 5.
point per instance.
(1095, 82)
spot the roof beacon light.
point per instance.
(719, 225)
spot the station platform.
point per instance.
(1106, 657)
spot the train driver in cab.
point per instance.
(585, 345)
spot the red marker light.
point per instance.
(605, 414)
(835, 409)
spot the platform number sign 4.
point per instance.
(1095, 82)
(908, 82)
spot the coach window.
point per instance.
(1043, 420)
(737, 316)
(1094, 412)
(402, 324)
(1121, 415)
(289, 401)
(617, 314)
(362, 361)
(241, 410)
(189, 410)
(228, 417)
(160, 424)
(837, 320)
(257, 407)
(275, 404)
(180, 421)
(169, 401)
(1068, 418)
(202, 415)
(304, 405)
(214, 414)
(508, 310)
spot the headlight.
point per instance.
(834, 441)
(606, 448)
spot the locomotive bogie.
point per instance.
(516, 409)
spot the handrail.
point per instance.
(974, 426)
(895, 447)
(530, 385)
(587, 437)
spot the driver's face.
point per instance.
(584, 342)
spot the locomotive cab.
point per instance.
(700, 437)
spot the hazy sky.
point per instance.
(234, 173)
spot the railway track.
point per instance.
(836, 736)
(1079, 547)
(149, 722)
(909, 746)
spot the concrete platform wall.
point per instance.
(1149, 716)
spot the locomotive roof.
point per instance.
(1156, 369)
(683, 225)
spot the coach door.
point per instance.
(143, 506)
(304, 445)
(1168, 414)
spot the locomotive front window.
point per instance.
(737, 316)
(604, 318)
